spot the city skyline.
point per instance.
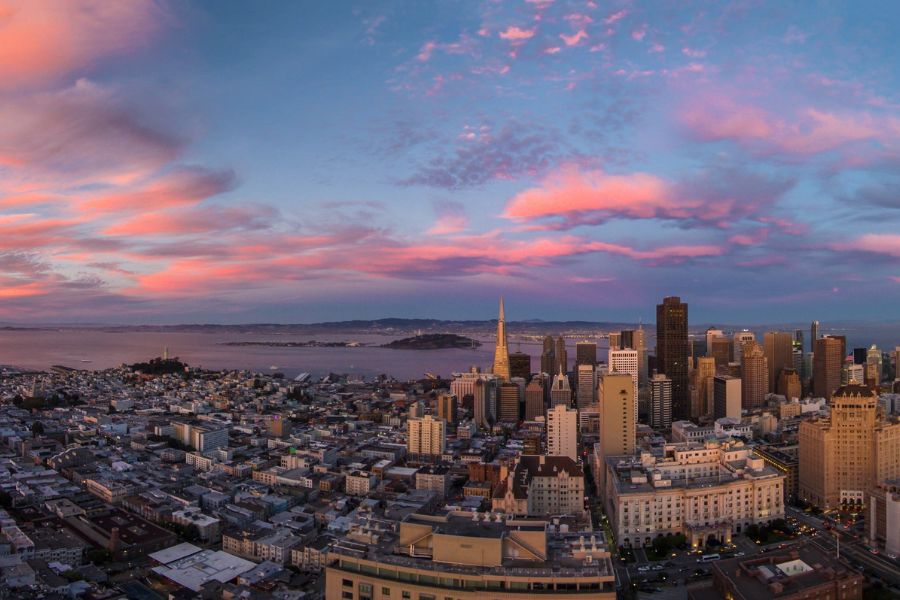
(179, 162)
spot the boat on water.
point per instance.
(86, 360)
(273, 368)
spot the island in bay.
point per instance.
(433, 341)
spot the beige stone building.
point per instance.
(617, 423)
(714, 489)
(426, 436)
(436, 557)
(542, 485)
(844, 456)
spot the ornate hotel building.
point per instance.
(705, 490)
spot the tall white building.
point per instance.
(586, 393)
(426, 436)
(627, 362)
(562, 432)
(741, 338)
(660, 402)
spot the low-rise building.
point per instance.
(700, 490)
(804, 572)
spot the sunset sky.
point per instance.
(305, 161)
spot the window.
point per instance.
(346, 582)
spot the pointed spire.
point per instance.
(502, 312)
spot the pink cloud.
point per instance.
(570, 197)
(656, 49)
(693, 53)
(425, 53)
(875, 243)
(184, 186)
(812, 131)
(451, 219)
(552, 50)
(639, 33)
(615, 17)
(42, 41)
(84, 133)
(515, 33)
(193, 221)
(572, 40)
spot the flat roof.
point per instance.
(197, 569)
(173, 553)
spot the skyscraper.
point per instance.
(626, 339)
(562, 356)
(789, 384)
(640, 344)
(844, 456)
(779, 349)
(447, 408)
(562, 432)
(586, 391)
(754, 376)
(615, 340)
(741, 338)
(660, 402)
(672, 351)
(617, 409)
(827, 363)
(813, 335)
(501, 352)
(585, 353)
(617, 424)
(874, 366)
(534, 399)
(548, 356)
(711, 334)
(722, 350)
(520, 365)
(509, 403)
(706, 370)
(561, 391)
(626, 362)
(484, 400)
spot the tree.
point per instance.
(37, 429)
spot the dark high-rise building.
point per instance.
(754, 376)
(509, 403)
(548, 357)
(860, 355)
(562, 356)
(520, 365)
(798, 339)
(813, 335)
(827, 362)
(722, 349)
(627, 339)
(779, 350)
(585, 354)
(672, 351)
(534, 399)
(843, 340)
